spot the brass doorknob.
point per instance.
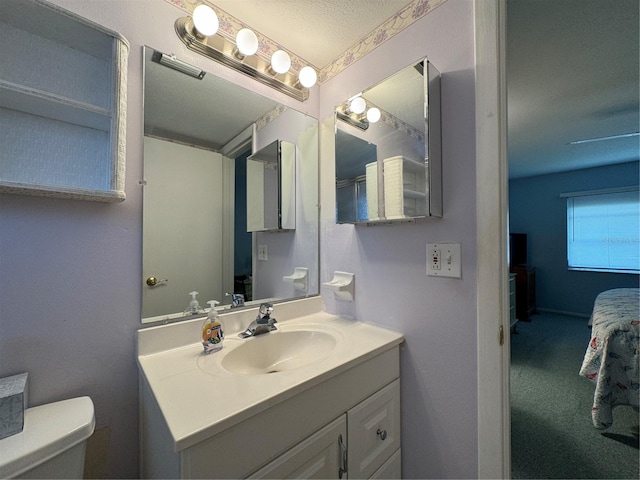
(153, 281)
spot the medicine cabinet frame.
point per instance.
(271, 188)
(397, 176)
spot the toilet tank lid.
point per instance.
(48, 431)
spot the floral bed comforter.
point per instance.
(611, 361)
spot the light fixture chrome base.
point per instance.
(221, 50)
(351, 118)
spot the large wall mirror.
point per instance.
(199, 130)
(388, 149)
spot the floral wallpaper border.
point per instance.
(417, 9)
(270, 116)
(401, 126)
(391, 27)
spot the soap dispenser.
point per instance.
(212, 334)
(194, 306)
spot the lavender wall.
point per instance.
(70, 280)
(70, 271)
(436, 315)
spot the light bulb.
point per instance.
(247, 42)
(307, 77)
(358, 105)
(205, 20)
(373, 115)
(280, 61)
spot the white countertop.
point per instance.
(199, 398)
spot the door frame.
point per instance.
(494, 436)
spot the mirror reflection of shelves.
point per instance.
(404, 188)
(378, 177)
(62, 104)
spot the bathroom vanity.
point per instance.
(318, 398)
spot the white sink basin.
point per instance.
(278, 352)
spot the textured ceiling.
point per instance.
(572, 74)
(316, 30)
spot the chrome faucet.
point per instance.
(262, 324)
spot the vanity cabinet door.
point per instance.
(319, 456)
(374, 431)
(392, 468)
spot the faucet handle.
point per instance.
(237, 299)
(265, 310)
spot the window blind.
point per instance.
(603, 231)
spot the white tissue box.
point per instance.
(13, 401)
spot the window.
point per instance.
(603, 230)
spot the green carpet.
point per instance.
(551, 431)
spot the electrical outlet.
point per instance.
(434, 255)
(262, 253)
(444, 260)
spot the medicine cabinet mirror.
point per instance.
(271, 188)
(203, 135)
(388, 150)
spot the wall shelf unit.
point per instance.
(62, 104)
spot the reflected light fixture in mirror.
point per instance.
(355, 112)
(373, 115)
(200, 34)
(357, 105)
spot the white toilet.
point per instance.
(52, 443)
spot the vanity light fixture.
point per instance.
(200, 34)
(280, 61)
(172, 62)
(307, 76)
(205, 21)
(246, 43)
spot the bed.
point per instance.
(611, 360)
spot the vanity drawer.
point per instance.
(392, 468)
(374, 431)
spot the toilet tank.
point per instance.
(52, 443)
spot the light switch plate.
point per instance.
(262, 253)
(444, 260)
